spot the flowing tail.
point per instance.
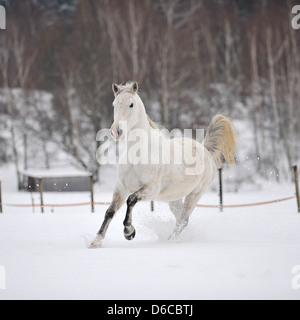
(220, 139)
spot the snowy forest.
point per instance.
(193, 59)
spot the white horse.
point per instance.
(179, 184)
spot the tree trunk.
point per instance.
(272, 79)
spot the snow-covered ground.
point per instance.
(238, 254)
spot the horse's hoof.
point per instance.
(178, 230)
(94, 246)
(97, 243)
(172, 236)
(131, 237)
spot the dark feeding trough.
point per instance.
(56, 180)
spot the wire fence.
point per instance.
(108, 203)
(221, 206)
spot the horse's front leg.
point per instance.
(144, 194)
(117, 202)
(129, 230)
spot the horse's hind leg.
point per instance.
(189, 205)
(176, 207)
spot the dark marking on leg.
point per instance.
(110, 213)
(132, 200)
(129, 230)
(108, 217)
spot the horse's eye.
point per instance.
(131, 106)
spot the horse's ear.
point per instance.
(115, 88)
(135, 86)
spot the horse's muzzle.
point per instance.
(116, 132)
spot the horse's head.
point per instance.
(128, 109)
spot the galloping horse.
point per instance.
(179, 184)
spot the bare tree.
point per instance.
(68, 78)
(273, 92)
(170, 67)
(6, 46)
(256, 98)
(107, 14)
(24, 59)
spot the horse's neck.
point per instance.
(146, 127)
(143, 130)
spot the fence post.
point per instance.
(32, 201)
(152, 206)
(92, 193)
(221, 190)
(297, 186)
(41, 194)
(1, 208)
